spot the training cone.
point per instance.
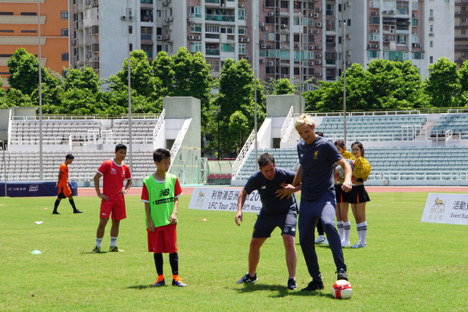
(36, 252)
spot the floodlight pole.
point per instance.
(254, 62)
(344, 81)
(41, 171)
(301, 29)
(4, 166)
(130, 136)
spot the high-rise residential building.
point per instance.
(461, 27)
(398, 30)
(300, 40)
(19, 24)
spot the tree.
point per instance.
(24, 70)
(140, 74)
(284, 86)
(14, 98)
(442, 85)
(84, 78)
(163, 68)
(239, 123)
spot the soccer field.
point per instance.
(407, 266)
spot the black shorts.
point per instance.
(61, 193)
(341, 196)
(267, 223)
(358, 194)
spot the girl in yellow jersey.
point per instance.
(358, 196)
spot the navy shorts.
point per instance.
(265, 224)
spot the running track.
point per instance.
(371, 189)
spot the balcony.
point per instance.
(212, 51)
(220, 18)
(212, 1)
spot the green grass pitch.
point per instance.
(407, 266)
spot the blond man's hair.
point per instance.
(304, 119)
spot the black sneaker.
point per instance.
(55, 212)
(292, 284)
(248, 279)
(342, 274)
(77, 211)
(313, 286)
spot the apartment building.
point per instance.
(420, 31)
(461, 26)
(19, 24)
(301, 40)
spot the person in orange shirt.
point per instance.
(64, 190)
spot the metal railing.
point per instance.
(159, 124)
(178, 141)
(244, 153)
(286, 129)
(433, 175)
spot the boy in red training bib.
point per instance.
(114, 172)
(160, 194)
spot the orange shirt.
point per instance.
(64, 178)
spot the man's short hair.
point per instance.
(304, 119)
(160, 154)
(69, 156)
(119, 147)
(265, 160)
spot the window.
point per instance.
(64, 14)
(227, 47)
(64, 32)
(284, 55)
(431, 43)
(296, 21)
(242, 48)
(130, 29)
(463, 32)
(463, 19)
(431, 12)
(414, 6)
(373, 54)
(6, 30)
(414, 38)
(29, 31)
(431, 59)
(130, 47)
(64, 56)
(284, 4)
(374, 37)
(242, 31)
(418, 56)
(212, 29)
(195, 47)
(414, 22)
(241, 14)
(270, 37)
(330, 9)
(228, 30)
(373, 20)
(401, 39)
(195, 11)
(29, 13)
(6, 13)
(464, 8)
(349, 22)
(196, 28)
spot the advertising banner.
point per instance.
(446, 208)
(223, 199)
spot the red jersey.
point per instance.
(113, 178)
(64, 177)
(145, 195)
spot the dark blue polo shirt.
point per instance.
(272, 205)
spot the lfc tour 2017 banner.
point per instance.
(223, 200)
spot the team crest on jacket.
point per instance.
(315, 155)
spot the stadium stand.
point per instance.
(456, 123)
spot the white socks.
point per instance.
(113, 241)
(346, 230)
(98, 242)
(339, 225)
(362, 232)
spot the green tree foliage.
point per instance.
(284, 86)
(163, 69)
(384, 85)
(140, 74)
(443, 85)
(24, 70)
(463, 78)
(238, 123)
